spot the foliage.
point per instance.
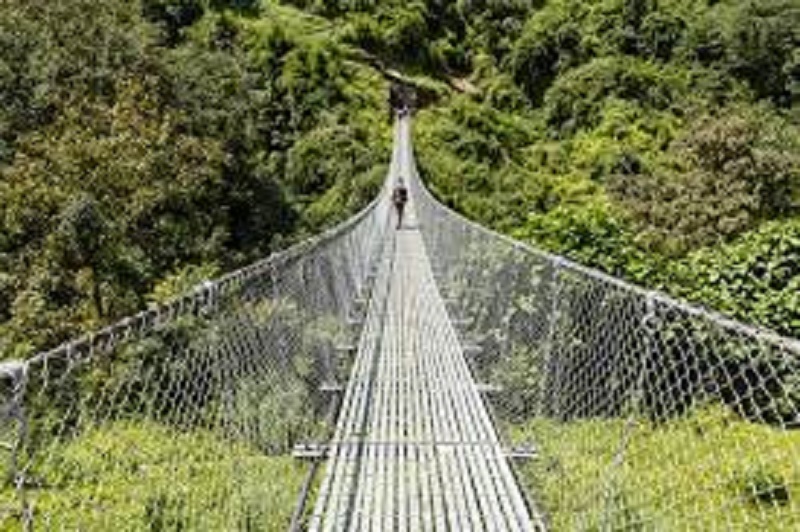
(752, 41)
(172, 16)
(550, 43)
(439, 38)
(627, 134)
(134, 475)
(694, 471)
(762, 42)
(182, 281)
(755, 277)
(158, 136)
(647, 138)
(577, 99)
(728, 174)
(324, 181)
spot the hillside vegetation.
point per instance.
(655, 139)
(148, 145)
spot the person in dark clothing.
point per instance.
(400, 198)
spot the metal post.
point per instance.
(609, 488)
(548, 403)
(15, 373)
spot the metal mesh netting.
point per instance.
(640, 412)
(185, 416)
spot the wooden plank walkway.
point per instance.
(415, 447)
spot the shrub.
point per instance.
(577, 98)
(729, 173)
(695, 471)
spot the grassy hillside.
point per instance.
(144, 475)
(695, 472)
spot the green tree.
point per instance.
(729, 174)
(551, 43)
(173, 16)
(763, 43)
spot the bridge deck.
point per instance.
(415, 447)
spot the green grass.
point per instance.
(708, 470)
(144, 476)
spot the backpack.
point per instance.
(401, 194)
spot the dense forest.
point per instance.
(657, 140)
(147, 145)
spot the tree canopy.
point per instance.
(140, 140)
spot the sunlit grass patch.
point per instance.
(145, 476)
(706, 470)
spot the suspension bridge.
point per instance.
(438, 376)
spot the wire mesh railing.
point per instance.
(641, 412)
(184, 417)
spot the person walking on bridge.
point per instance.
(400, 198)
